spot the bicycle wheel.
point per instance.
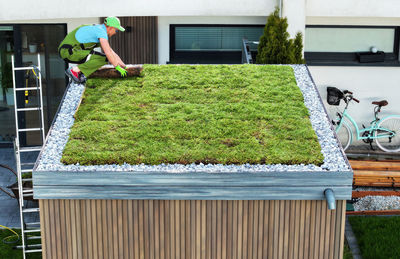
(388, 141)
(344, 135)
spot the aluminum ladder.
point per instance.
(27, 227)
(246, 52)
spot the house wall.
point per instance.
(362, 80)
(367, 83)
(191, 229)
(295, 11)
(354, 8)
(138, 44)
(48, 9)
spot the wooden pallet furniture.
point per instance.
(376, 173)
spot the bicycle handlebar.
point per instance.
(348, 96)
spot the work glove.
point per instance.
(121, 71)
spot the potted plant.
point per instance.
(33, 43)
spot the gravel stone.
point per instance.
(334, 159)
(377, 203)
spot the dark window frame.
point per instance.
(174, 55)
(350, 59)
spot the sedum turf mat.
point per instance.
(228, 114)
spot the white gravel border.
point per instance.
(334, 160)
(377, 203)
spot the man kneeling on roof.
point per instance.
(80, 43)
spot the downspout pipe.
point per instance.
(280, 8)
(330, 198)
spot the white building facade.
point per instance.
(334, 33)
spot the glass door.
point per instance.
(7, 121)
(25, 41)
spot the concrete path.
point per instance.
(352, 241)
(9, 209)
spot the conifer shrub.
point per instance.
(275, 45)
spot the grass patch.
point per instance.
(377, 237)
(7, 251)
(190, 114)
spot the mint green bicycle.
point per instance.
(386, 131)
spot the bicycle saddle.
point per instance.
(381, 103)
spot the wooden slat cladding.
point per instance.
(191, 229)
(140, 44)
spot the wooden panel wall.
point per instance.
(191, 229)
(140, 45)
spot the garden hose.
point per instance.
(26, 83)
(11, 170)
(5, 240)
(9, 194)
(34, 69)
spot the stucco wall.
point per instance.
(364, 21)
(367, 83)
(354, 8)
(296, 15)
(50, 9)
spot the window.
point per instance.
(211, 44)
(351, 45)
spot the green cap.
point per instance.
(113, 21)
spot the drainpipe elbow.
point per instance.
(330, 198)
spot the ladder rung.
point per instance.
(30, 149)
(33, 227)
(22, 164)
(32, 224)
(34, 246)
(33, 251)
(34, 237)
(28, 109)
(27, 179)
(28, 195)
(23, 68)
(30, 246)
(27, 190)
(29, 129)
(27, 88)
(32, 231)
(30, 210)
(26, 170)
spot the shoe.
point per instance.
(76, 77)
(82, 78)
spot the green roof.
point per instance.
(228, 114)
